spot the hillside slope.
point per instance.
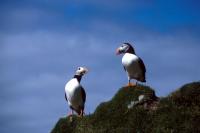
(137, 109)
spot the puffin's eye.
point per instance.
(123, 46)
(79, 68)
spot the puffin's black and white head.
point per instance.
(81, 71)
(125, 48)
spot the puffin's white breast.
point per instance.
(73, 92)
(130, 62)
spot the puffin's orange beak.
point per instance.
(86, 70)
(117, 51)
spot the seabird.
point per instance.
(74, 93)
(133, 64)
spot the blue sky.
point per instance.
(42, 42)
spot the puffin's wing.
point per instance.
(142, 66)
(83, 94)
(124, 68)
(66, 97)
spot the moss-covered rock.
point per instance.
(179, 112)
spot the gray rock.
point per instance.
(141, 97)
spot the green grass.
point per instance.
(178, 112)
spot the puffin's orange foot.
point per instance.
(130, 85)
(69, 114)
(81, 114)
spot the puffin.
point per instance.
(133, 65)
(74, 92)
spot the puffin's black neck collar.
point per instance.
(78, 77)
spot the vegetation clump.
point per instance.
(178, 112)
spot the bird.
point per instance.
(75, 94)
(133, 65)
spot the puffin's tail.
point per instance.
(142, 79)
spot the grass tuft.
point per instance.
(178, 112)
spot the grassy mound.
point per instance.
(179, 112)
